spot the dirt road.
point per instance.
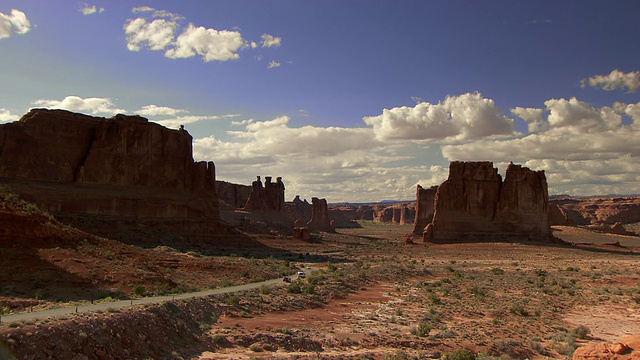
(39, 315)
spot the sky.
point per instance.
(352, 101)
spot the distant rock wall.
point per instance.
(473, 204)
(121, 169)
(599, 209)
(234, 195)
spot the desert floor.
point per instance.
(509, 300)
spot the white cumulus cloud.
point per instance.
(89, 10)
(616, 79)
(161, 30)
(463, 117)
(16, 22)
(271, 41)
(211, 44)
(156, 35)
(92, 106)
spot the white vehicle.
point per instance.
(301, 274)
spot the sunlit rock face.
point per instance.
(424, 208)
(474, 204)
(111, 170)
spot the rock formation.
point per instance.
(473, 204)
(121, 169)
(234, 195)
(267, 197)
(626, 348)
(424, 208)
(599, 209)
(320, 216)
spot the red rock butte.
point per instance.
(105, 173)
(473, 204)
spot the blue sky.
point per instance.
(348, 100)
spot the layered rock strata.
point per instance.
(109, 172)
(473, 204)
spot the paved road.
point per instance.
(43, 314)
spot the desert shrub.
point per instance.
(478, 292)
(234, 300)
(139, 290)
(540, 272)
(563, 343)
(294, 288)
(221, 340)
(265, 290)
(310, 289)
(399, 355)
(422, 329)
(463, 354)
(435, 300)
(284, 330)
(172, 307)
(497, 271)
(581, 332)
(518, 309)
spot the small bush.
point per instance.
(463, 354)
(294, 289)
(581, 332)
(422, 329)
(139, 290)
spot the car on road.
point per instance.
(301, 274)
(286, 279)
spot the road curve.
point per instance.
(52, 313)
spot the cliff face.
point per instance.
(124, 167)
(473, 204)
(424, 208)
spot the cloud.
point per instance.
(211, 44)
(615, 80)
(270, 41)
(7, 116)
(88, 10)
(464, 117)
(89, 105)
(273, 64)
(155, 35)
(164, 33)
(153, 110)
(584, 150)
(16, 22)
(188, 119)
(335, 163)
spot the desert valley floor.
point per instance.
(367, 294)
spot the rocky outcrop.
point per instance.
(269, 197)
(627, 348)
(112, 171)
(425, 199)
(320, 216)
(473, 204)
